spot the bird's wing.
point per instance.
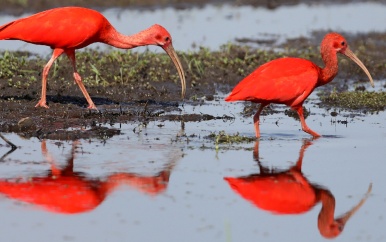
(286, 80)
(63, 195)
(278, 193)
(67, 28)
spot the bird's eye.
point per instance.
(343, 43)
(166, 39)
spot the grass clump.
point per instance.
(223, 138)
(355, 100)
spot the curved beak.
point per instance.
(345, 217)
(172, 54)
(354, 58)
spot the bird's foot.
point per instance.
(311, 132)
(41, 103)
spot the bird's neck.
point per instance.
(326, 215)
(330, 69)
(118, 40)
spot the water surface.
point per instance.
(192, 201)
(212, 26)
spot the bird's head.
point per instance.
(329, 227)
(336, 42)
(332, 231)
(161, 36)
(158, 35)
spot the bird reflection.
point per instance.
(64, 191)
(289, 192)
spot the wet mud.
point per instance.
(140, 87)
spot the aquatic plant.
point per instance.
(354, 100)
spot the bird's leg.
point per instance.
(303, 122)
(298, 166)
(256, 156)
(78, 79)
(256, 119)
(46, 69)
(54, 169)
(68, 170)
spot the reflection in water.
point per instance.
(62, 190)
(289, 192)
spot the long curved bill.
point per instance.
(345, 217)
(354, 58)
(172, 54)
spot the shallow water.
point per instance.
(200, 26)
(171, 188)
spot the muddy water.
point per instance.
(165, 181)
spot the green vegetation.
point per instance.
(18, 69)
(356, 100)
(17, 3)
(146, 70)
(141, 75)
(223, 138)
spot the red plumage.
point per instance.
(271, 82)
(67, 28)
(290, 81)
(70, 28)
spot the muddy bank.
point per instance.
(139, 87)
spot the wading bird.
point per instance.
(63, 190)
(70, 28)
(289, 192)
(291, 80)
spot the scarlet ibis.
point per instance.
(70, 28)
(291, 80)
(289, 192)
(62, 190)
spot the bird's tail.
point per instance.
(229, 98)
(234, 95)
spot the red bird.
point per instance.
(289, 192)
(291, 80)
(68, 192)
(70, 28)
